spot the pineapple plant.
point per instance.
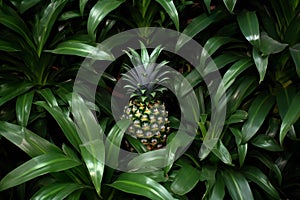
(144, 82)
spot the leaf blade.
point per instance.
(29, 142)
(37, 166)
(257, 113)
(292, 115)
(23, 107)
(170, 8)
(141, 185)
(97, 14)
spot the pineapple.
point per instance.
(147, 113)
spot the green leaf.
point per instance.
(237, 185)
(136, 144)
(240, 89)
(65, 123)
(230, 4)
(266, 142)
(82, 4)
(93, 154)
(149, 161)
(210, 47)
(196, 26)
(91, 135)
(261, 63)
(185, 180)
(9, 91)
(218, 190)
(37, 166)
(170, 8)
(31, 143)
(207, 4)
(75, 195)
(87, 124)
(257, 176)
(284, 98)
(249, 26)
(83, 50)
(242, 150)
(10, 19)
(23, 107)
(292, 115)
(9, 46)
(113, 141)
(69, 15)
(293, 29)
(258, 111)
(270, 46)
(43, 26)
(267, 161)
(57, 191)
(236, 69)
(48, 95)
(220, 61)
(141, 185)
(27, 4)
(237, 117)
(97, 14)
(295, 53)
(222, 153)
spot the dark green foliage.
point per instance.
(255, 45)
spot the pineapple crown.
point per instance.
(146, 77)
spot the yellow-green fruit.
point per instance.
(149, 123)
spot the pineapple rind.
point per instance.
(150, 123)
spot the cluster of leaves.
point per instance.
(256, 48)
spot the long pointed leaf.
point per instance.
(141, 185)
(270, 46)
(261, 63)
(295, 53)
(27, 4)
(237, 185)
(257, 113)
(185, 180)
(9, 91)
(64, 121)
(37, 166)
(98, 12)
(29, 142)
(48, 95)
(170, 8)
(230, 4)
(82, 4)
(268, 162)
(292, 115)
(93, 154)
(149, 161)
(83, 50)
(222, 153)
(113, 141)
(249, 26)
(23, 107)
(257, 176)
(197, 25)
(10, 19)
(44, 25)
(9, 46)
(57, 191)
(235, 70)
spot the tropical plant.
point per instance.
(65, 139)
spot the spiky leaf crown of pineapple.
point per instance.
(146, 78)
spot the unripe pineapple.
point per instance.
(149, 118)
